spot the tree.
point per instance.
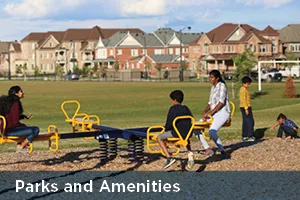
(85, 71)
(200, 68)
(24, 70)
(148, 67)
(116, 67)
(159, 67)
(244, 63)
(103, 70)
(290, 91)
(95, 69)
(290, 56)
(59, 71)
(36, 71)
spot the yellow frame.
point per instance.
(52, 136)
(204, 126)
(177, 142)
(85, 122)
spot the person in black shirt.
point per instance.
(183, 126)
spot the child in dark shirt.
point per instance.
(285, 125)
(183, 127)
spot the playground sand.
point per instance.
(264, 155)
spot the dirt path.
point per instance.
(265, 155)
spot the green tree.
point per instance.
(103, 70)
(59, 71)
(200, 68)
(85, 71)
(290, 56)
(244, 63)
(36, 71)
(158, 68)
(95, 69)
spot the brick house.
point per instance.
(290, 37)
(70, 48)
(216, 48)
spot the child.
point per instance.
(246, 110)
(288, 126)
(183, 127)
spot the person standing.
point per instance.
(246, 110)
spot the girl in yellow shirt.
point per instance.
(245, 107)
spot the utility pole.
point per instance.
(9, 70)
(181, 67)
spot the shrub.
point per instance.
(290, 91)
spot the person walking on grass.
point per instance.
(11, 108)
(218, 108)
(184, 125)
(246, 110)
(287, 126)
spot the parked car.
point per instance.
(271, 75)
(72, 76)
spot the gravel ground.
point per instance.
(264, 155)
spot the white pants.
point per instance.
(219, 119)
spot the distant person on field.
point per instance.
(285, 125)
(246, 110)
(183, 126)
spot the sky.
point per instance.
(18, 18)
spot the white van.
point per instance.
(293, 71)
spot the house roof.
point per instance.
(164, 58)
(78, 34)
(17, 46)
(269, 31)
(3, 47)
(187, 37)
(164, 34)
(290, 33)
(224, 31)
(147, 40)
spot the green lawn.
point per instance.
(134, 104)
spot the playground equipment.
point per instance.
(51, 136)
(84, 125)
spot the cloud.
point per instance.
(39, 8)
(266, 3)
(143, 7)
(18, 29)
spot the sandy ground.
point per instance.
(263, 155)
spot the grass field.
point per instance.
(134, 104)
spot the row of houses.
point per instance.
(134, 49)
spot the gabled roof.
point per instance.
(187, 37)
(164, 58)
(269, 31)
(224, 31)
(147, 40)
(115, 39)
(290, 33)
(17, 47)
(78, 34)
(164, 34)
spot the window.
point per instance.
(273, 46)
(132, 66)
(52, 67)
(196, 49)
(171, 51)
(47, 56)
(216, 49)
(144, 51)
(263, 48)
(41, 67)
(50, 44)
(295, 47)
(32, 66)
(157, 51)
(33, 46)
(177, 51)
(33, 56)
(134, 52)
(111, 52)
(205, 49)
(119, 52)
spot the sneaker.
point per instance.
(191, 161)
(169, 162)
(245, 139)
(251, 139)
(22, 150)
(209, 152)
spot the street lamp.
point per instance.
(9, 70)
(73, 54)
(181, 67)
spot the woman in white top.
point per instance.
(218, 108)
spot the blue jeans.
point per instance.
(248, 123)
(30, 131)
(287, 130)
